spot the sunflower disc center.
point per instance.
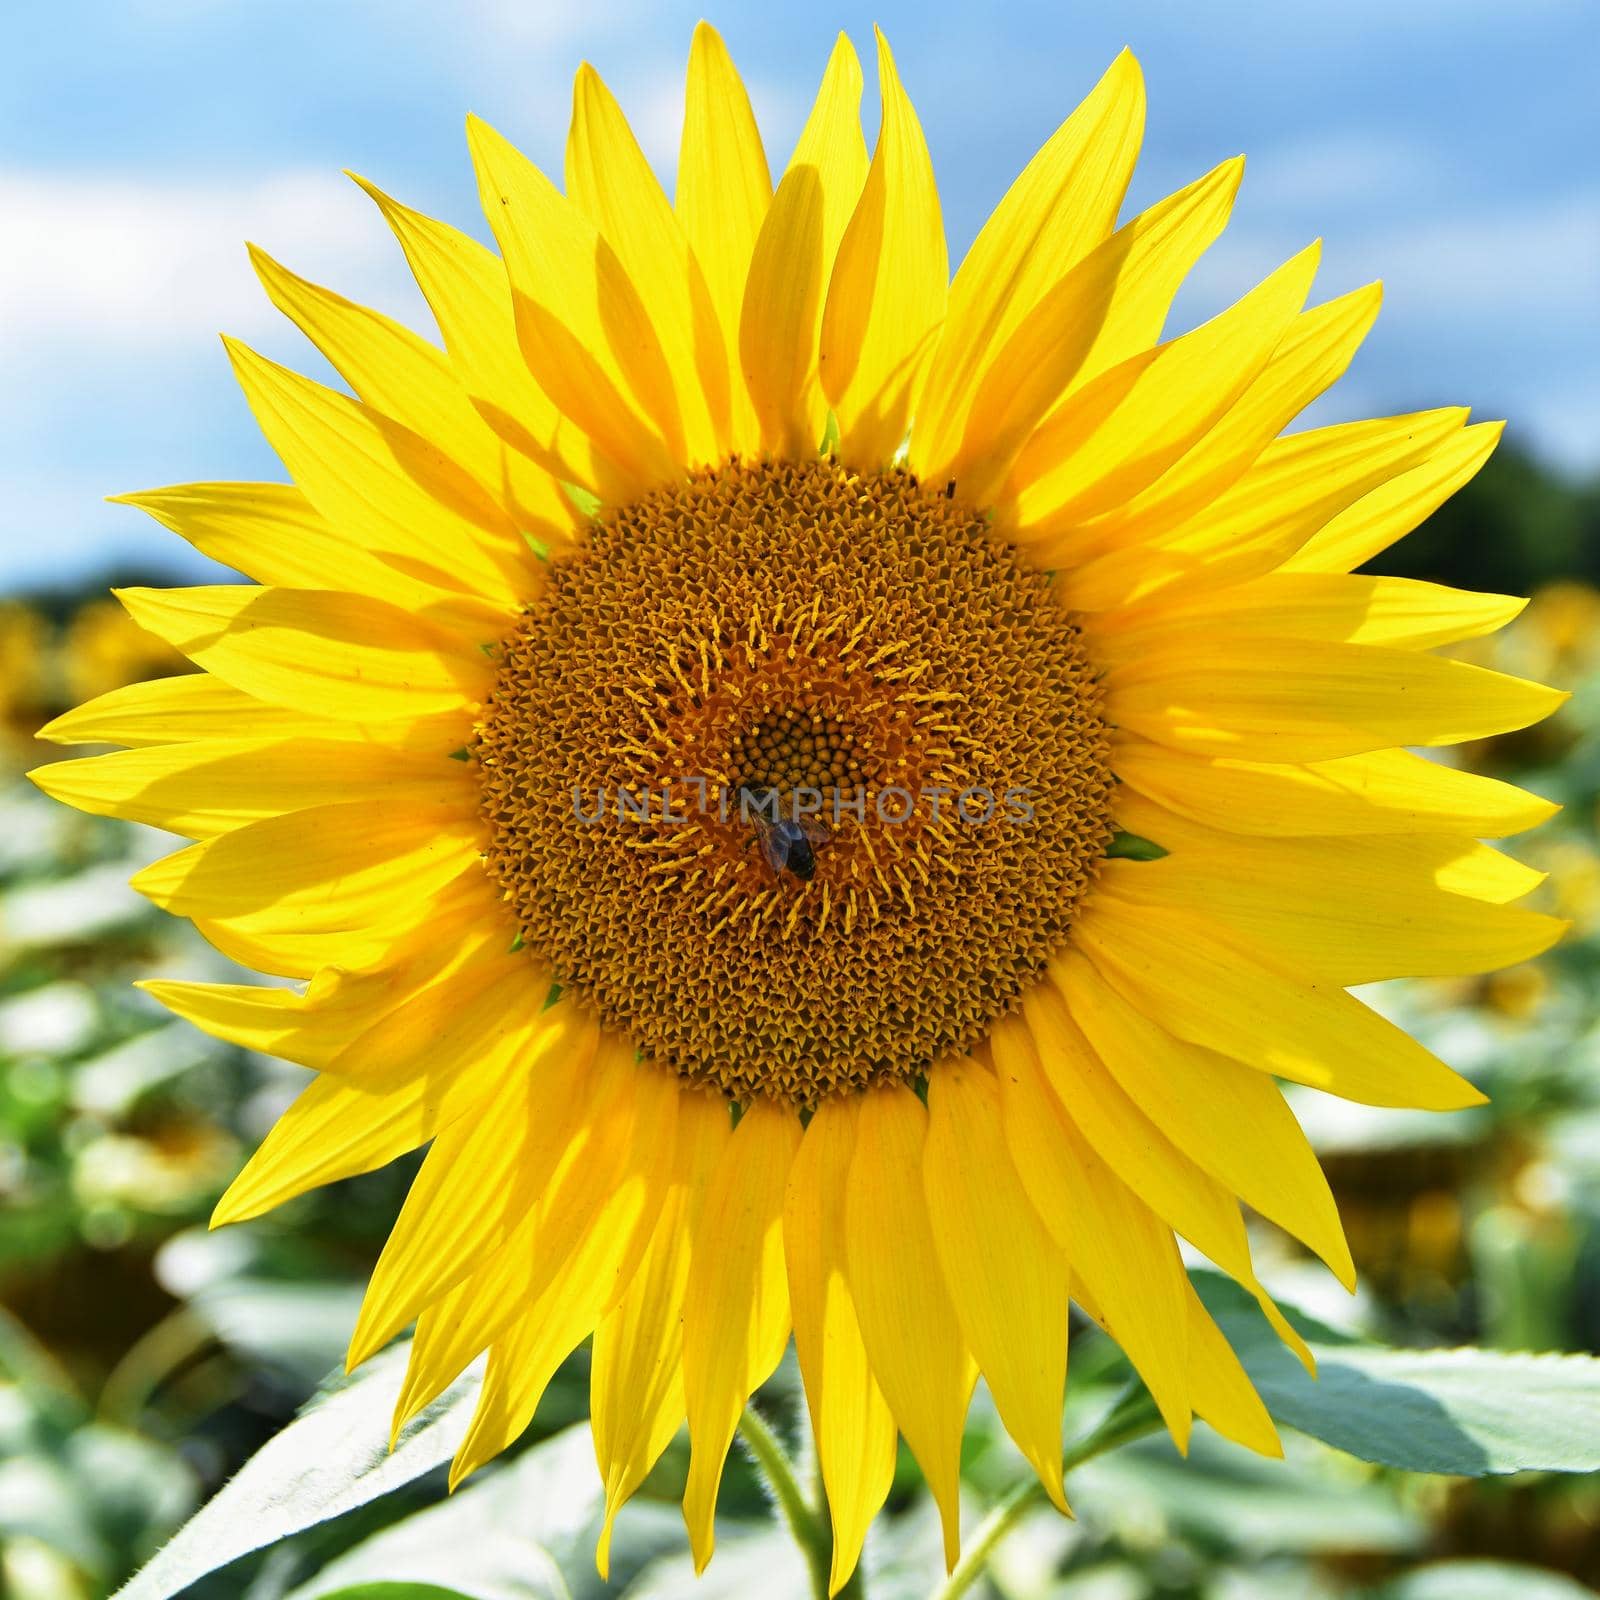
(861, 659)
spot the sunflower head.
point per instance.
(795, 646)
(828, 796)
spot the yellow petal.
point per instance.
(1291, 489)
(1219, 1389)
(565, 1308)
(386, 487)
(576, 1247)
(335, 655)
(1387, 791)
(336, 1129)
(1358, 914)
(456, 911)
(1227, 1118)
(1333, 608)
(1307, 700)
(1184, 1195)
(406, 379)
(467, 290)
(583, 330)
(1122, 1258)
(340, 1126)
(636, 1371)
(478, 1182)
(850, 1420)
(1445, 861)
(793, 258)
(1065, 339)
(254, 1017)
(271, 532)
(1043, 1056)
(165, 711)
(1119, 433)
(736, 1314)
(213, 786)
(1064, 204)
(610, 181)
(463, 910)
(886, 299)
(1212, 993)
(1006, 1275)
(1311, 357)
(724, 190)
(1392, 510)
(196, 705)
(912, 1335)
(323, 869)
(340, 1004)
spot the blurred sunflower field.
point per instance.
(145, 1363)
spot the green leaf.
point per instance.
(523, 1531)
(1127, 846)
(332, 1458)
(398, 1591)
(1466, 1413)
(764, 1563)
(1483, 1580)
(1223, 1498)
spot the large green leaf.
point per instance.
(1222, 1498)
(1483, 1580)
(1467, 1413)
(399, 1591)
(764, 1564)
(333, 1457)
(525, 1531)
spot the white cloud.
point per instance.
(1535, 260)
(135, 264)
(528, 24)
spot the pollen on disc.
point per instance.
(795, 629)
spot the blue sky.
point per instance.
(1447, 146)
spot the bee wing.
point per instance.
(815, 830)
(773, 846)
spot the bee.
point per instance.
(790, 844)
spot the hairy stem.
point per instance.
(777, 1471)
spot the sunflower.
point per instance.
(739, 496)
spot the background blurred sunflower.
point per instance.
(740, 488)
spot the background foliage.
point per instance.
(143, 1362)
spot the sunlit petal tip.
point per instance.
(1231, 173)
(234, 1206)
(365, 1343)
(381, 198)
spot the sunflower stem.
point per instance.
(1132, 1417)
(778, 1473)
